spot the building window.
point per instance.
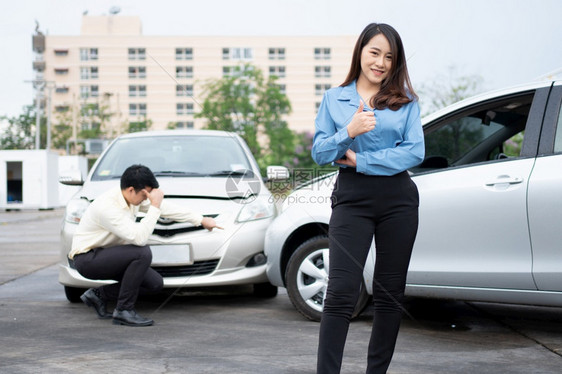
(184, 90)
(137, 72)
(184, 108)
(319, 89)
(184, 125)
(137, 109)
(237, 54)
(137, 90)
(278, 71)
(236, 71)
(316, 107)
(184, 72)
(62, 108)
(276, 53)
(228, 71)
(61, 89)
(89, 72)
(89, 110)
(61, 52)
(322, 71)
(89, 91)
(282, 88)
(87, 54)
(61, 71)
(90, 125)
(137, 53)
(184, 53)
(322, 53)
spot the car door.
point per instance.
(473, 229)
(545, 200)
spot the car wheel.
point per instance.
(307, 279)
(265, 290)
(73, 294)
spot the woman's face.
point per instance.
(376, 60)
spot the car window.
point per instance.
(488, 132)
(558, 138)
(174, 156)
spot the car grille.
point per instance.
(198, 268)
(171, 232)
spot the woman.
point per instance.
(370, 126)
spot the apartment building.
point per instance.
(140, 77)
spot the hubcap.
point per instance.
(312, 278)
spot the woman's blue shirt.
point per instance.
(394, 145)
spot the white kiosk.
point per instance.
(29, 179)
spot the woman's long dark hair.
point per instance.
(396, 90)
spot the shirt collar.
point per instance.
(120, 198)
(349, 93)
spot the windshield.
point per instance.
(175, 156)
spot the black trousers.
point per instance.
(127, 264)
(363, 206)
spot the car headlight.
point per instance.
(258, 209)
(75, 208)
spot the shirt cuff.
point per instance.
(153, 212)
(342, 137)
(361, 163)
(198, 220)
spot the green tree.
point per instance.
(94, 118)
(62, 129)
(252, 106)
(20, 131)
(447, 89)
(143, 125)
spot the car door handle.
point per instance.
(505, 179)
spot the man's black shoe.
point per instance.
(130, 318)
(91, 299)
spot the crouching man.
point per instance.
(110, 244)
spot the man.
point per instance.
(110, 244)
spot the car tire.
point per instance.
(73, 293)
(306, 287)
(265, 290)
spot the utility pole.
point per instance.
(49, 110)
(37, 114)
(38, 44)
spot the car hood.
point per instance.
(207, 187)
(208, 196)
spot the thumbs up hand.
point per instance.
(361, 122)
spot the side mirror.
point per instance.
(75, 179)
(276, 172)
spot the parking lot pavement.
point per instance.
(29, 241)
(230, 331)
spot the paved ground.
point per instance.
(29, 241)
(230, 331)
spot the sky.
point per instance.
(505, 42)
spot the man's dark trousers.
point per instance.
(127, 264)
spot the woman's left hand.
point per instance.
(350, 159)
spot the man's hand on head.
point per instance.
(156, 195)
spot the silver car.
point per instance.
(211, 172)
(490, 209)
